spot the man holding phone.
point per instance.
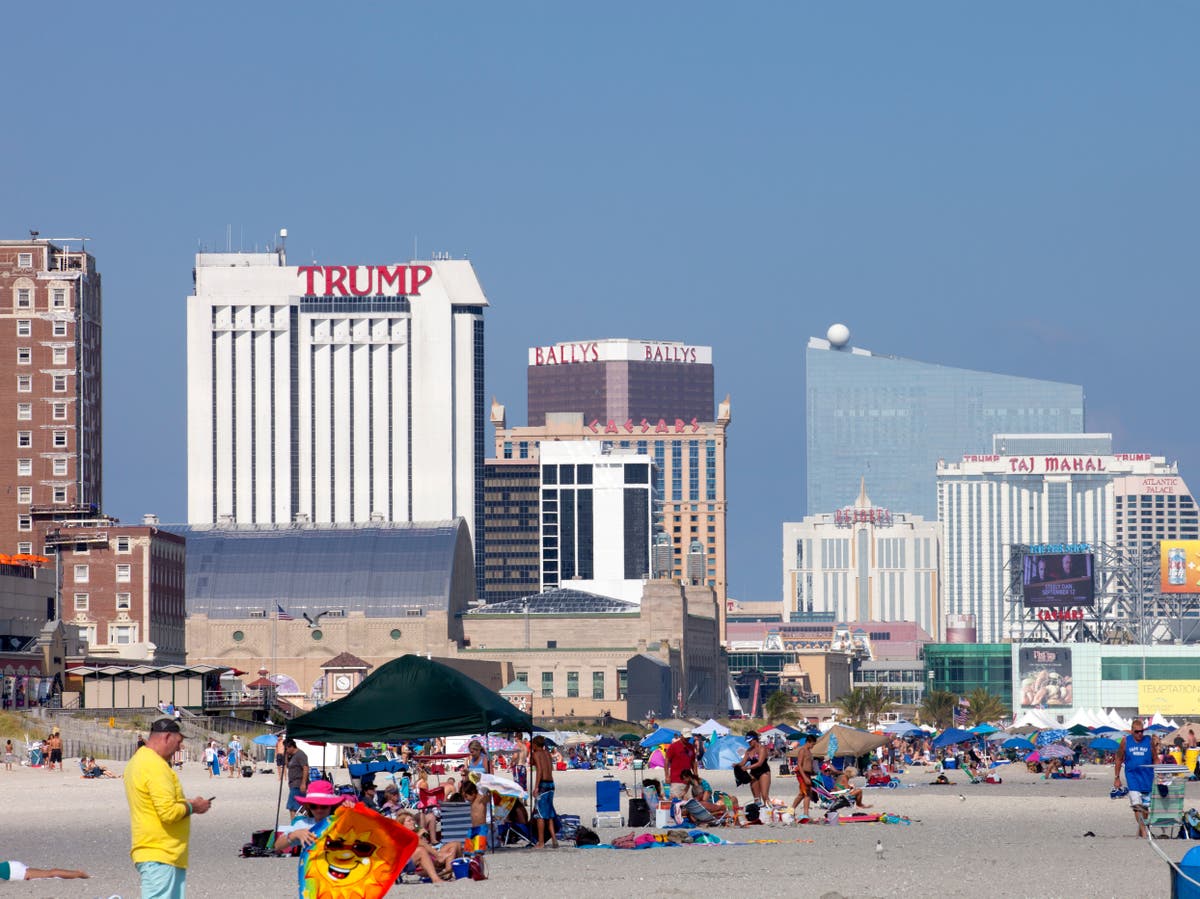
(160, 816)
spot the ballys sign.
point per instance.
(364, 280)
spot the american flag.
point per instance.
(962, 711)
(282, 615)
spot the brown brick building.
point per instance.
(123, 588)
(50, 398)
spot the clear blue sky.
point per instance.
(1009, 188)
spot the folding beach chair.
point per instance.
(828, 797)
(508, 833)
(608, 803)
(694, 811)
(1166, 799)
(456, 821)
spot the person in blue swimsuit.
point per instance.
(1136, 755)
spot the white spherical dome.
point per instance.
(838, 335)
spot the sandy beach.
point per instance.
(1024, 837)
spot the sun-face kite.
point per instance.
(360, 854)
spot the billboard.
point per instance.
(1045, 675)
(1058, 579)
(1180, 566)
(1169, 697)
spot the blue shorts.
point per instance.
(293, 793)
(544, 807)
(162, 881)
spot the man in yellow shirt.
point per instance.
(159, 814)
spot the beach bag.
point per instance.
(740, 776)
(476, 870)
(751, 813)
(585, 836)
(1189, 828)
(639, 812)
(247, 770)
(784, 770)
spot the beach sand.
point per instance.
(1024, 837)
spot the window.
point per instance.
(24, 384)
(123, 602)
(60, 383)
(547, 684)
(60, 468)
(24, 467)
(24, 298)
(81, 602)
(60, 439)
(82, 574)
(60, 329)
(25, 548)
(597, 685)
(24, 327)
(122, 634)
(24, 260)
(24, 411)
(124, 573)
(82, 549)
(122, 544)
(622, 682)
(24, 355)
(58, 298)
(573, 684)
(60, 411)
(24, 495)
(60, 355)
(24, 522)
(24, 438)
(60, 494)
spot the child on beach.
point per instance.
(9, 756)
(476, 841)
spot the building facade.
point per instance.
(1019, 495)
(1153, 508)
(508, 563)
(334, 394)
(597, 518)
(621, 380)
(862, 563)
(123, 588)
(890, 420)
(689, 465)
(50, 345)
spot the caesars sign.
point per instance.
(1045, 675)
(1180, 566)
(1169, 697)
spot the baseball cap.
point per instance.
(165, 726)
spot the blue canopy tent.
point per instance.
(723, 752)
(900, 728)
(659, 737)
(951, 736)
(1104, 744)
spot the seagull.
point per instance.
(878, 850)
(961, 797)
(313, 622)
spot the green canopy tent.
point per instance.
(410, 698)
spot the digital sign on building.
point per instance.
(1046, 680)
(1180, 566)
(1058, 579)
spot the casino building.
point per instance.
(1033, 489)
(334, 394)
(688, 453)
(890, 419)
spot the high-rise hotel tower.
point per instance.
(338, 394)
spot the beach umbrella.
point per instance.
(1105, 744)
(840, 740)
(1158, 729)
(1105, 729)
(952, 735)
(1079, 730)
(1017, 743)
(982, 730)
(629, 738)
(608, 743)
(264, 740)
(502, 785)
(659, 737)
(724, 752)
(1046, 737)
(1055, 751)
(900, 727)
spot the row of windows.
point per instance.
(25, 383)
(83, 602)
(121, 634)
(25, 411)
(573, 677)
(25, 355)
(58, 468)
(25, 439)
(25, 328)
(124, 573)
(23, 298)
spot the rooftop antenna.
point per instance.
(229, 238)
(415, 256)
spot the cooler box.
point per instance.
(662, 815)
(1181, 887)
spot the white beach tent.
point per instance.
(710, 727)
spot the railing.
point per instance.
(225, 699)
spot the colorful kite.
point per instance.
(358, 855)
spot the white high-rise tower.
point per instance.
(335, 394)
